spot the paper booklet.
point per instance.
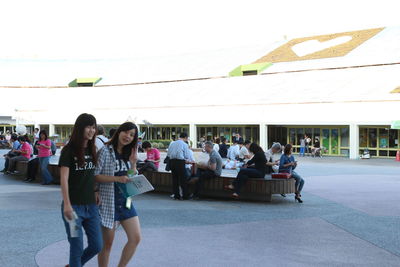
(138, 185)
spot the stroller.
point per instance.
(316, 152)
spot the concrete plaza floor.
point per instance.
(350, 217)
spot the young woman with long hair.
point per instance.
(115, 159)
(254, 168)
(43, 145)
(287, 164)
(77, 165)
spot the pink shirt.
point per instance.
(42, 151)
(154, 154)
(26, 147)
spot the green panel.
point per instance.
(75, 82)
(395, 125)
(236, 72)
(259, 67)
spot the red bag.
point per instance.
(281, 175)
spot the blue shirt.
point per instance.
(16, 145)
(285, 160)
(178, 150)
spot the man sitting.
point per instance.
(13, 152)
(273, 156)
(233, 151)
(211, 170)
(25, 154)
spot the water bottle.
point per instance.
(73, 227)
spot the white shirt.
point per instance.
(233, 152)
(100, 140)
(216, 147)
(243, 152)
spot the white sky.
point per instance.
(85, 29)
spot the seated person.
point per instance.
(211, 170)
(316, 150)
(152, 161)
(287, 164)
(233, 151)
(3, 142)
(223, 148)
(244, 154)
(25, 154)
(190, 166)
(250, 171)
(15, 144)
(273, 155)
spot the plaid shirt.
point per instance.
(106, 166)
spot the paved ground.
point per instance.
(350, 217)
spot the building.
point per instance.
(340, 88)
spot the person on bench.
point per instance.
(250, 171)
(287, 165)
(24, 152)
(212, 170)
(273, 155)
(152, 161)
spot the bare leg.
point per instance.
(108, 238)
(132, 230)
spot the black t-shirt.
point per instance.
(259, 161)
(223, 150)
(81, 179)
(317, 144)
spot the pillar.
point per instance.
(193, 134)
(264, 136)
(52, 130)
(354, 141)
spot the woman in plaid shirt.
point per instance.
(114, 160)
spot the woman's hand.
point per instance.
(134, 156)
(122, 179)
(97, 197)
(68, 211)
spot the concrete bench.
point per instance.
(255, 189)
(22, 168)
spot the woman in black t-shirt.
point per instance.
(79, 208)
(255, 168)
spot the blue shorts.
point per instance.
(122, 213)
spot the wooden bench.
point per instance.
(255, 189)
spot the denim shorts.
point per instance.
(121, 211)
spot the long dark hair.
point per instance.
(287, 149)
(254, 148)
(45, 134)
(76, 141)
(126, 150)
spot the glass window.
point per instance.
(335, 141)
(383, 138)
(372, 134)
(344, 137)
(300, 135)
(325, 139)
(317, 133)
(363, 137)
(393, 138)
(292, 136)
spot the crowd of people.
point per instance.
(248, 158)
(36, 152)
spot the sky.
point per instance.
(56, 29)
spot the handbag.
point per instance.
(281, 175)
(167, 166)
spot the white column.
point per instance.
(37, 126)
(354, 141)
(52, 130)
(193, 134)
(263, 136)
